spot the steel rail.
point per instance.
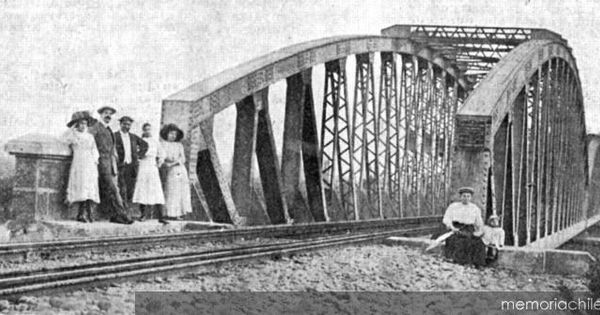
(307, 229)
(13, 284)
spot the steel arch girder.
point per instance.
(498, 91)
(490, 103)
(220, 91)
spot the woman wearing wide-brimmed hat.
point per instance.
(465, 246)
(82, 189)
(177, 185)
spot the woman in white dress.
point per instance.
(463, 217)
(82, 189)
(177, 185)
(148, 188)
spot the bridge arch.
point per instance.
(521, 141)
(230, 86)
(358, 162)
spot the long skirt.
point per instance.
(83, 177)
(178, 200)
(466, 249)
(148, 188)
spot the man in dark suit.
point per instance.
(129, 148)
(110, 199)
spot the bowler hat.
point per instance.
(164, 132)
(463, 190)
(77, 117)
(103, 108)
(126, 118)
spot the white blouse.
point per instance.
(493, 236)
(465, 214)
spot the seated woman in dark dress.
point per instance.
(465, 246)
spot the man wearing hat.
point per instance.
(129, 148)
(110, 200)
(464, 246)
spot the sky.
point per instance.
(61, 56)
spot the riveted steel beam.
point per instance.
(538, 151)
(212, 180)
(364, 141)
(301, 151)
(254, 136)
(474, 48)
(388, 133)
(336, 152)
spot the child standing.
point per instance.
(493, 238)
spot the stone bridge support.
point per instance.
(42, 172)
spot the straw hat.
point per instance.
(103, 108)
(164, 132)
(91, 120)
(77, 117)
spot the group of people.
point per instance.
(117, 169)
(471, 242)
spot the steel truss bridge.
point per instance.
(498, 109)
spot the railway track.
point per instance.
(14, 284)
(57, 248)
